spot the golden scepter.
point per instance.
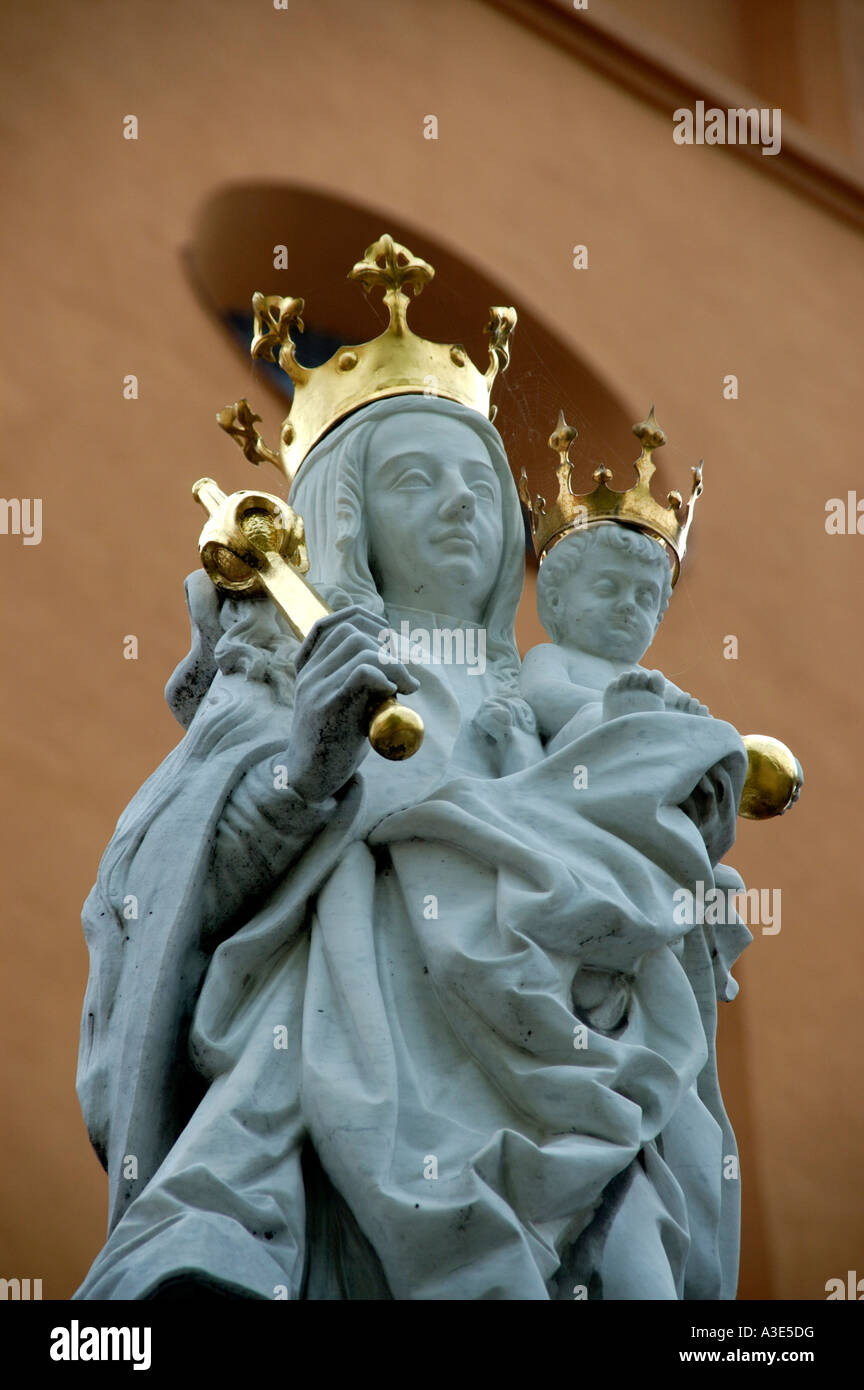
(254, 543)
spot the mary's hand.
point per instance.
(340, 680)
(712, 809)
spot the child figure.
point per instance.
(601, 595)
(602, 590)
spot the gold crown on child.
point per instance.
(636, 507)
(396, 363)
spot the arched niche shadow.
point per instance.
(231, 255)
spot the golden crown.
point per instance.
(635, 507)
(396, 363)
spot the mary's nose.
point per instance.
(459, 503)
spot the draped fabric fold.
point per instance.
(406, 1002)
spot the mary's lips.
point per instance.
(454, 536)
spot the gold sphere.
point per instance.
(396, 732)
(230, 567)
(261, 528)
(774, 778)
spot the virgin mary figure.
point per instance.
(336, 1051)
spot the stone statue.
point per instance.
(418, 1029)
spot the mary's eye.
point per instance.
(412, 478)
(484, 489)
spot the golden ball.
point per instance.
(229, 566)
(261, 529)
(396, 732)
(774, 778)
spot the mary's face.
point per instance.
(433, 513)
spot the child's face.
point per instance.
(608, 605)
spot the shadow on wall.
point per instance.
(284, 239)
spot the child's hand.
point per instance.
(712, 807)
(634, 692)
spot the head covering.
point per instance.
(329, 493)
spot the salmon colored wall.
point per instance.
(701, 264)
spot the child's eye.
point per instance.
(604, 587)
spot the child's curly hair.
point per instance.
(570, 553)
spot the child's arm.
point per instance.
(548, 689)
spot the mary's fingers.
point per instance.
(336, 624)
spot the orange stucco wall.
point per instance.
(700, 265)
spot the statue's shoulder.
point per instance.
(546, 656)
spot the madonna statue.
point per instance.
(342, 1051)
